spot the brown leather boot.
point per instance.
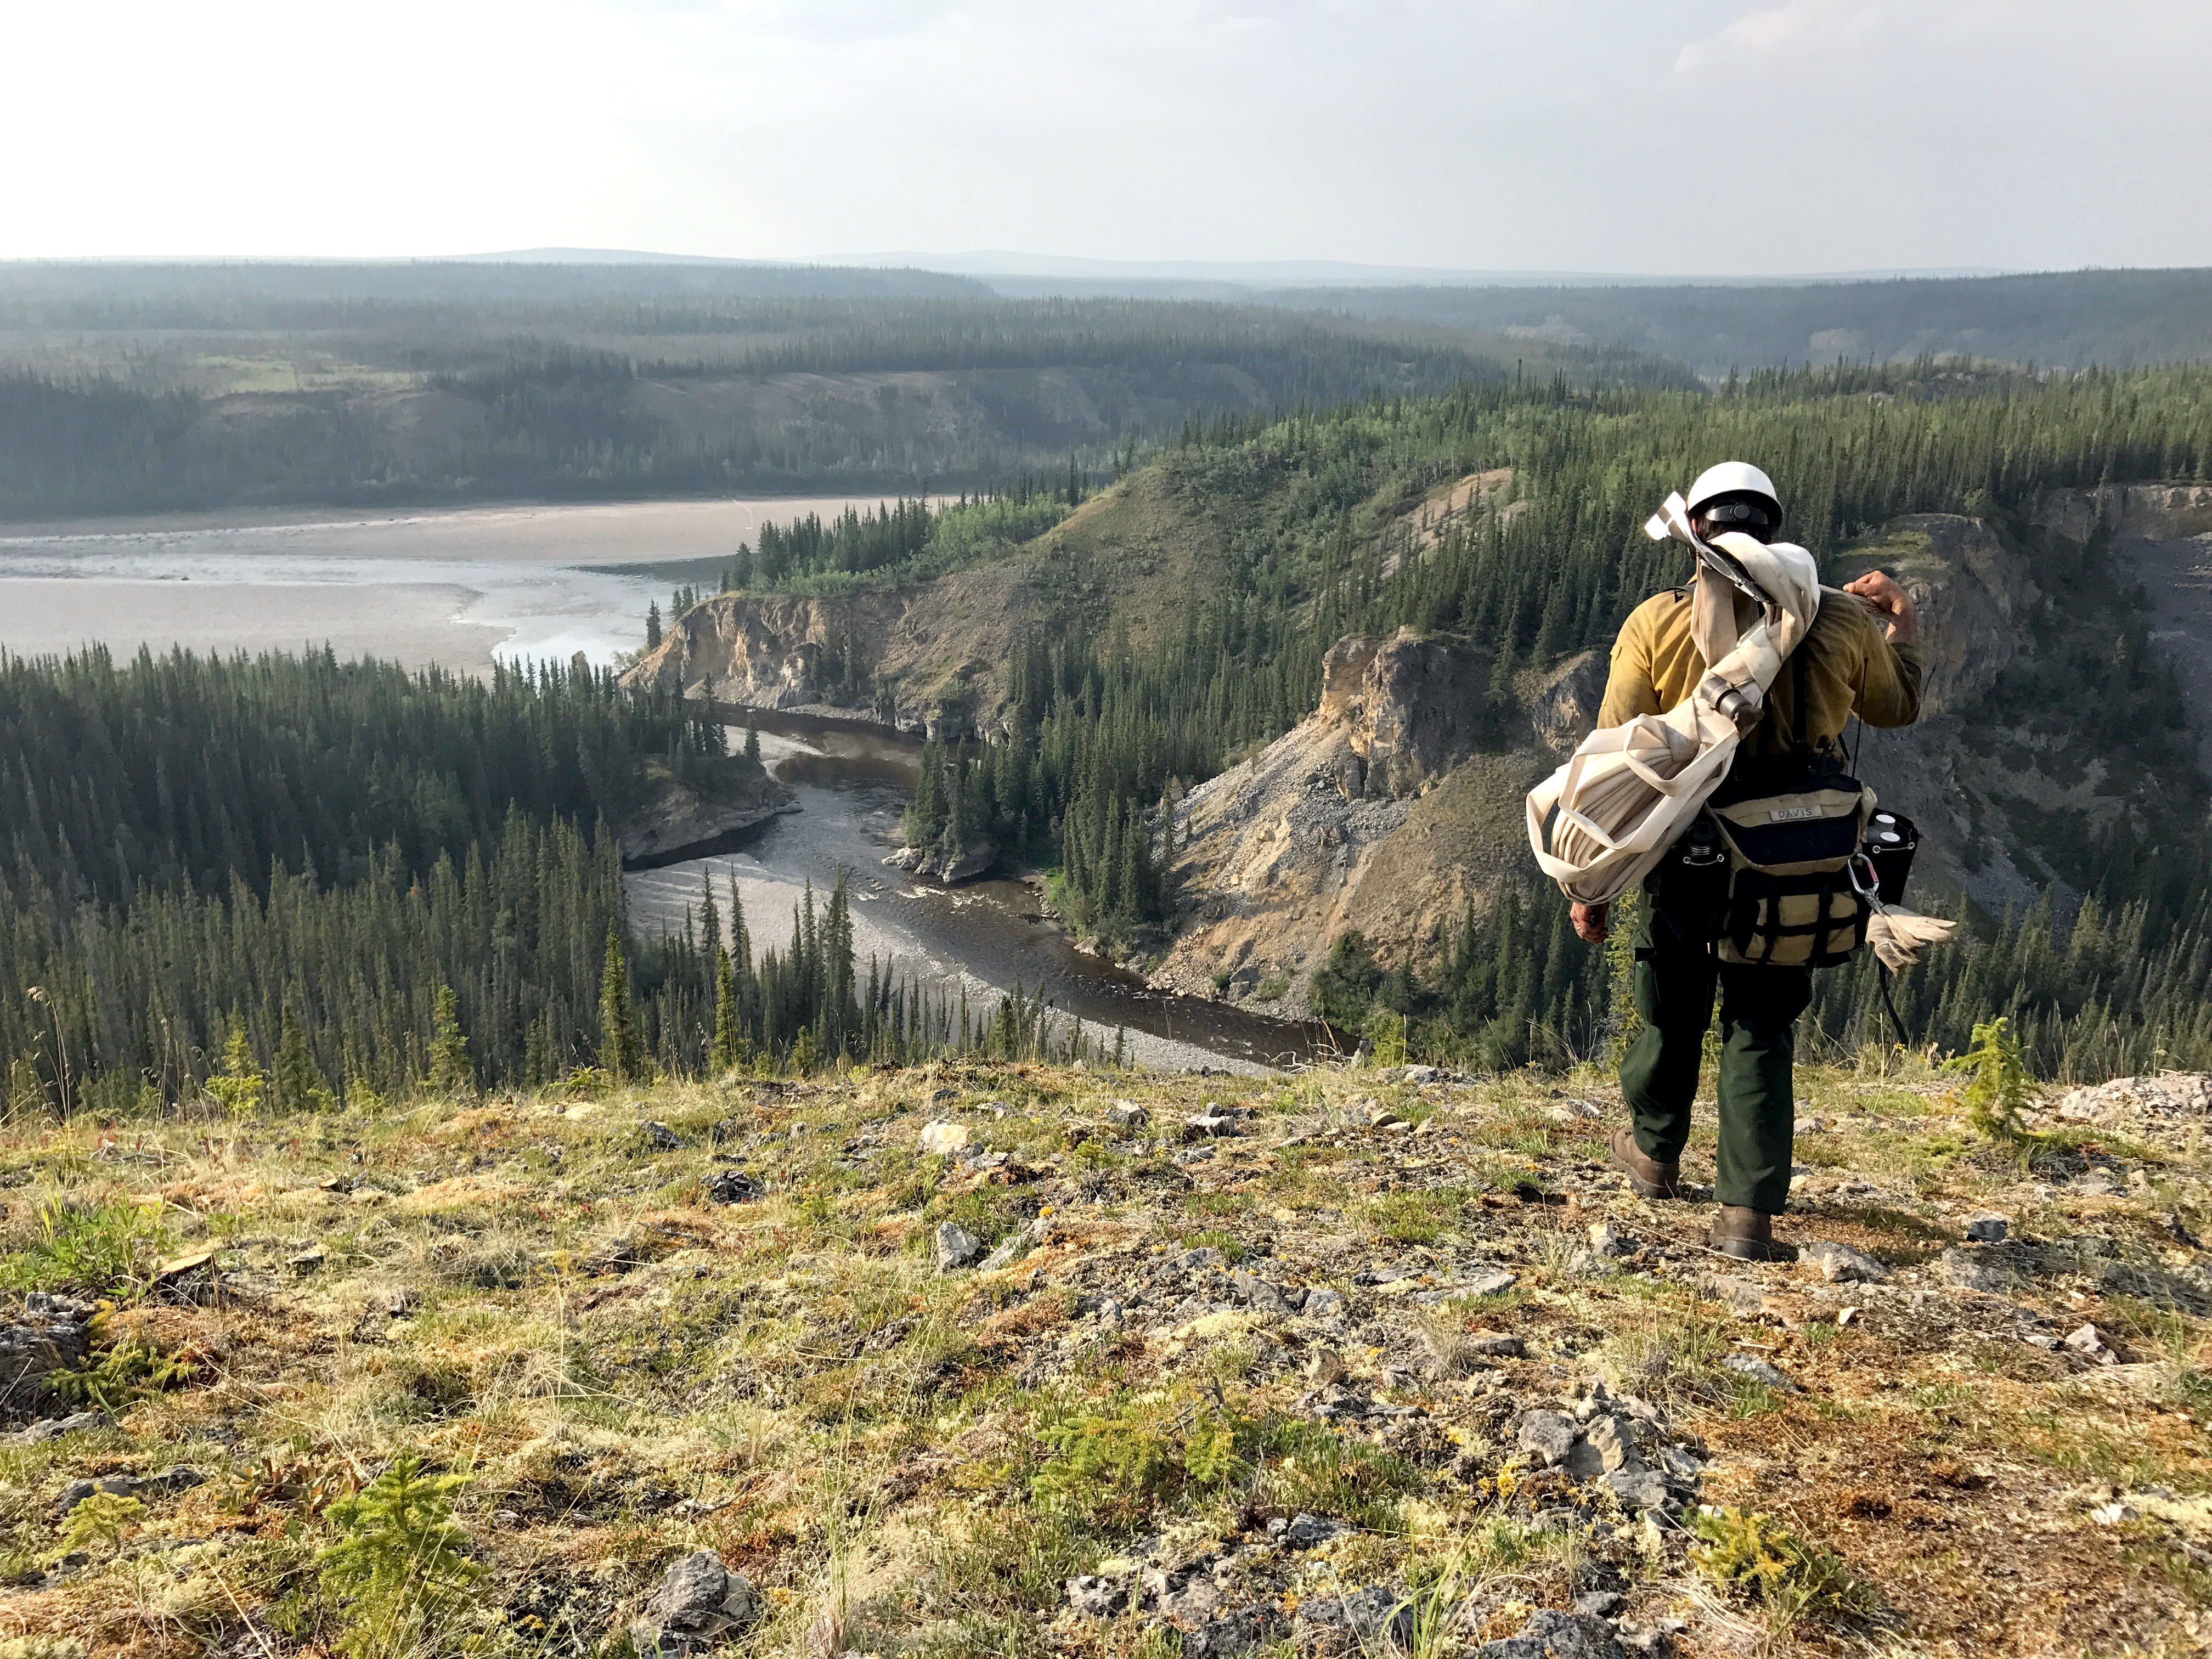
(1647, 1176)
(1748, 1235)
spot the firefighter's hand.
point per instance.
(1590, 921)
(1880, 590)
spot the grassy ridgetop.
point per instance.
(534, 1295)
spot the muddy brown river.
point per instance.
(853, 780)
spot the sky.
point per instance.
(1630, 136)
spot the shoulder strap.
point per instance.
(1797, 743)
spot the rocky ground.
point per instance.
(1016, 1360)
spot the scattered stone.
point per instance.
(661, 1138)
(2090, 1342)
(1987, 1228)
(1551, 1634)
(1759, 1371)
(1546, 1436)
(1970, 1270)
(125, 1485)
(1011, 1249)
(1305, 1532)
(699, 1602)
(956, 1246)
(734, 1187)
(53, 1428)
(1606, 1239)
(1321, 1303)
(1641, 1489)
(943, 1139)
(1840, 1264)
(1743, 1295)
(1093, 1597)
(1366, 1615)
(1127, 1114)
(1609, 1437)
(1258, 1293)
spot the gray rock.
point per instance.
(1239, 1630)
(2088, 1341)
(47, 1334)
(1305, 1531)
(1551, 1634)
(1646, 1490)
(1546, 1436)
(1840, 1264)
(1258, 1293)
(734, 1187)
(1093, 1597)
(661, 1138)
(700, 1602)
(1616, 1447)
(1321, 1303)
(125, 1485)
(1971, 1270)
(1987, 1228)
(53, 1428)
(1743, 1295)
(1759, 1371)
(1365, 1614)
(956, 1246)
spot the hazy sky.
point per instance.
(1628, 136)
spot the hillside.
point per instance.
(1134, 663)
(129, 389)
(991, 1359)
(2064, 319)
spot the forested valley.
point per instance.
(135, 389)
(336, 881)
(1106, 729)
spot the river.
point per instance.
(853, 780)
(461, 587)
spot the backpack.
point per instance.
(1773, 872)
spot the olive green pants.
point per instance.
(1674, 985)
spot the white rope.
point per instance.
(1599, 823)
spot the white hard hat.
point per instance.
(1731, 478)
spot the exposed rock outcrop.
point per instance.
(678, 814)
(1383, 812)
(931, 658)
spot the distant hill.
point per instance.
(2066, 319)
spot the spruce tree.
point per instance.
(730, 1044)
(621, 1046)
(450, 1071)
(298, 1084)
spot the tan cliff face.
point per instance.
(1378, 813)
(932, 658)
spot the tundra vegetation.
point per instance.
(992, 1358)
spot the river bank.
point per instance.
(851, 781)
